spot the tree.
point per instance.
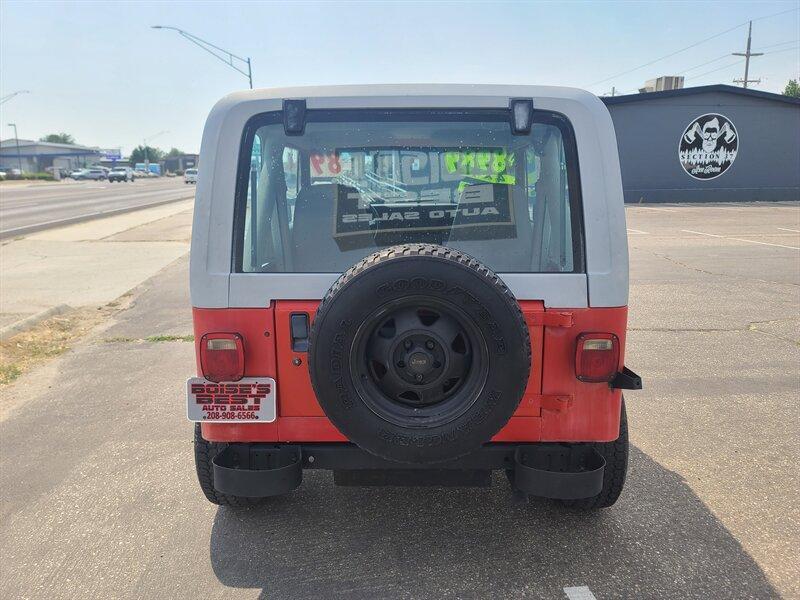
(58, 138)
(792, 89)
(173, 152)
(153, 154)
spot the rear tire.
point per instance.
(204, 453)
(616, 455)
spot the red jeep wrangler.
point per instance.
(410, 285)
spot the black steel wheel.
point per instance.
(417, 361)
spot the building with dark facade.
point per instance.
(715, 143)
(180, 163)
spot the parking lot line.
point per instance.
(639, 231)
(792, 230)
(724, 237)
(580, 592)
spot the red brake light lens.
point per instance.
(597, 357)
(222, 356)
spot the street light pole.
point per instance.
(8, 97)
(216, 52)
(16, 139)
(145, 141)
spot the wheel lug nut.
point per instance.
(401, 364)
(407, 344)
(436, 364)
(418, 377)
(429, 344)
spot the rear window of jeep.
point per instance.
(358, 181)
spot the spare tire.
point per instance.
(419, 354)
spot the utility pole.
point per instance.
(747, 54)
(145, 142)
(16, 139)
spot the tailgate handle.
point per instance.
(298, 325)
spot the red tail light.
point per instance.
(597, 357)
(222, 356)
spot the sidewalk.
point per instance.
(92, 263)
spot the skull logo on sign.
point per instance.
(708, 146)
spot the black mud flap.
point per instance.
(561, 471)
(413, 477)
(257, 471)
(626, 380)
(550, 470)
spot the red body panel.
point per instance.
(556, 406)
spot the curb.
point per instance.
(30, 321)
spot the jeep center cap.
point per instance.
(419, 362)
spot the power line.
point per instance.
(733, 64)
(684, 71)
(716, 35)
(727, 55)
(722, 68)
(778, 44)
(652, 62)
(782, 50)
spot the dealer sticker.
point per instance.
(249, 400)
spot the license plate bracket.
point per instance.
(249, 400)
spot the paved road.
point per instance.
(98, 496)
(27, 208)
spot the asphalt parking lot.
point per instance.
(99, 497)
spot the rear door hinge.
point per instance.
(549, 319)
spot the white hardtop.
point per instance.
(605, 283)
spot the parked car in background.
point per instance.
(121, 174)
(148, 169)
(190, 176)
(95, 173)
(58, 172)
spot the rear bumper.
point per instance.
(563, 471)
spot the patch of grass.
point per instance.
(150, 338)
(47, 339)
(169, 338)
(9, 373)
(119, 340)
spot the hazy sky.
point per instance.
(97, 71)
